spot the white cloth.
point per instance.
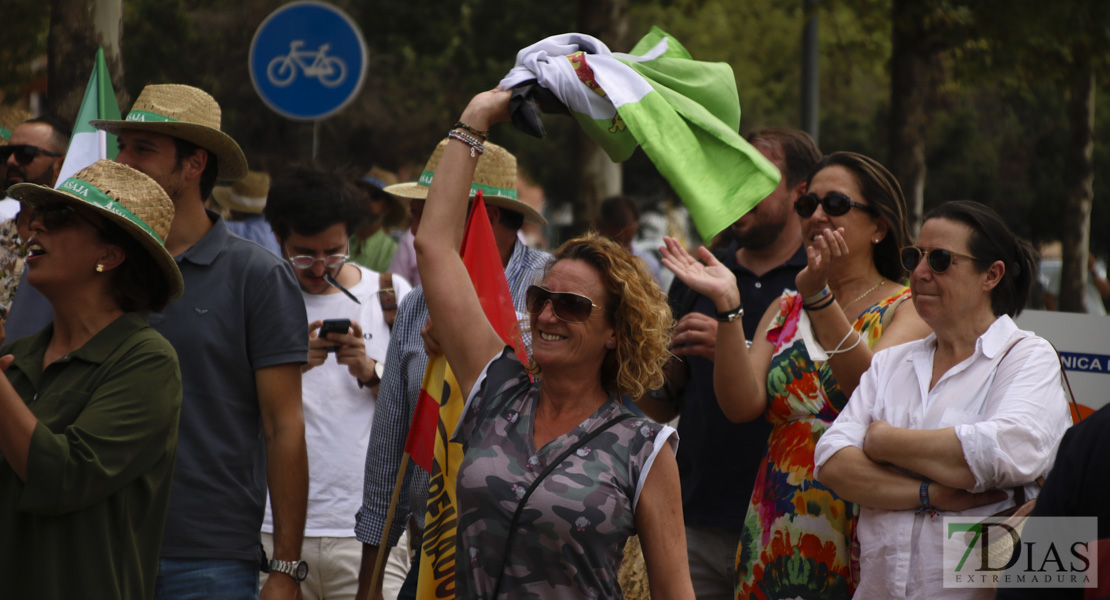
(338, 414)
(1009, 416)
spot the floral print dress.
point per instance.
(797, 536)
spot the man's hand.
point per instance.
(695, 335)
(280, 586)
(352, 352)
(317, 347)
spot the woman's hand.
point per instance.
(711, 279)
(828, 248)
(486, 109)
(943, 497)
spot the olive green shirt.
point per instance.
(88, 521)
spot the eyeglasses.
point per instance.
(307, 262)
(24, 153)
(572, 308)
(938, 259)
(57, 215)
(835, 204)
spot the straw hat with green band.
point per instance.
(184, 112)
(124, 196)
(10, 118)
(247, 195)
(495, 175)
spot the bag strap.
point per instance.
(1067, 384)
(531, 488)
(387, 296)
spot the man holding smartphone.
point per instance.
(313, 214)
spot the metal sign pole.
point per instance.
(315, 139)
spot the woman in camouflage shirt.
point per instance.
(600, 329)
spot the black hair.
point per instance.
(991, 240)
(617, 214)
(60, 130)
(307, 200)
(799, 151)
(139, 285)
(185, 149)
(882, 192)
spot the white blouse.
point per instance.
(1008, 415)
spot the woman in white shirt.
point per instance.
(950, 422)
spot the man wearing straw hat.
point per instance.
(239, 332)
(406, 360)
(245, 199)
(372, 246)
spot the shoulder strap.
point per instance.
(387, 296)
(531, 488)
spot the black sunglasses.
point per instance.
(25, 153)
(938, 259)
(572, 308)
(835, 204)
(57, 215)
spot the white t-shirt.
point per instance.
(338, 414)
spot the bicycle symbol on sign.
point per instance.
(330, 70)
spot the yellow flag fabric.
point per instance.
(437, 550)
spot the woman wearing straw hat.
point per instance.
(976, 407)
(600, 328)
(89, 406)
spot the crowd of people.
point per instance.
(209, 374)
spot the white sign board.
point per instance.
(1084, 344)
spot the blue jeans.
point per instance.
(408, 588)
(215, 579)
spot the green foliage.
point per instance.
(26, 26)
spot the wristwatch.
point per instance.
(298, 570)
(732, 315)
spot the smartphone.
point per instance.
(334, 326)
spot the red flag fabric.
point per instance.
(421, 440)
(483, 261)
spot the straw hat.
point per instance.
(376, 180)
(125, 197)
(10, 118)
(184, 112)
(495, 175)
(246, 195)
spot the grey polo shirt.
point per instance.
(241, 311)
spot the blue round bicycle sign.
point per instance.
(307, 60)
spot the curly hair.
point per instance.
(636, 308)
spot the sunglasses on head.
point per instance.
(57, 215)
(25, 153)
(572, 308)
(938, 259)
(835, 204)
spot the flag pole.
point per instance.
(383, 549)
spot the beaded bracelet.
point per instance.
(475, 144)
(819, 296)
(823, 304)
(478, 132)
(923, 496)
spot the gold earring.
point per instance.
(99, 268)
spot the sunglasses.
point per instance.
(938, 259)
(57, 215)
(835, 204)
(572, 308)
(24, 153)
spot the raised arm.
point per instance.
(467, 338)
(739, 375)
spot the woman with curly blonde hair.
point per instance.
(557, 473)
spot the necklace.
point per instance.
(863, 295)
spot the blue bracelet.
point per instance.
(923, 496)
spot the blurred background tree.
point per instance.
(963, 99)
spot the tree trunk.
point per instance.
(1079, 185)
(598, 176)
(77, 28)
(910, 81)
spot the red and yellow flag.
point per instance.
(441, 404)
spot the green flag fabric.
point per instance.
(684, 113)
(88, 144)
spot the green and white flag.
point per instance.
(88, 144)
(684, 113)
